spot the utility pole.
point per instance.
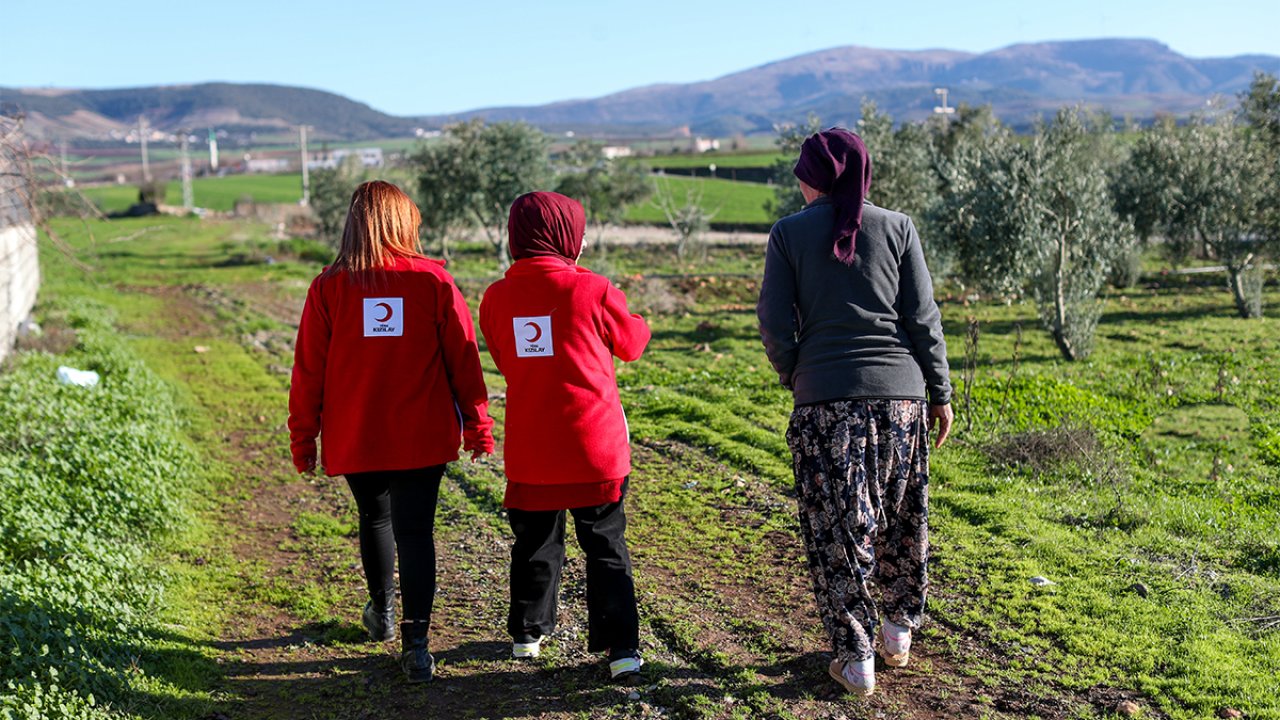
(143, 129)
(213, 150)
(943, 110)
(306, 178)
(66, 175)
(188, 202)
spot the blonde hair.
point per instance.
(382, 225)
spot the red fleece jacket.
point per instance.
(552, 328)
(388, 373)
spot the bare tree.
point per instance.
(688, 220)
(28, 175)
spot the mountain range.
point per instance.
(1133, 77)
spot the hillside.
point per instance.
(1128, 77)
(1138, 77)
(235, 108)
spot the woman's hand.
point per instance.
(308, 466)
(940, 416)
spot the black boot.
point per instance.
(380, 619)
(415, 660)
(379, 615)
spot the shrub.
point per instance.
(91, 479)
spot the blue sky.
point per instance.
(430, 57)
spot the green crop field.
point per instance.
(1142, 484)
(215, 193)
(734, 160)
(731, 202)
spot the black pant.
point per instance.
(398, 513)
(537, 558)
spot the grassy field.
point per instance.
(215, 193)
(731, 202)
(734, 203)
(727, 160)
(1142, 484)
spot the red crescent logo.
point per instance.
(537, 332)
(386, 317)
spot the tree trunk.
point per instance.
(601, 249)
(1060, 303)
(504, 258)
(1240, 292)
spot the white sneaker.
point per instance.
(626, 670)
(856, 676)
(526, 650)
(895, 643)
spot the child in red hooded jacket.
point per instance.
(553, 328)
(387, 372)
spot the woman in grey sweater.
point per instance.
(849, 322)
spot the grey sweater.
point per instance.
(870, 330)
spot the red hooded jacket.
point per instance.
(388, 373)
(553, 328)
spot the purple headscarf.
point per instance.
(836, 162)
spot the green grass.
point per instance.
(1163, 544)
(720, 160)
(731, 202)
(1183, 395)
(216, 193)
(181, 583)
(97, 486)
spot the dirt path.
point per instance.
(729, 628)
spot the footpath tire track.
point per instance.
(729, 627)
(281, 659)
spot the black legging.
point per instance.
(398, 513)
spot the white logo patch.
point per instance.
(533, 336)
(383, 317)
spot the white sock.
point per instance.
(897, 638)
(854, 670)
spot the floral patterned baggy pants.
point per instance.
(862, 481)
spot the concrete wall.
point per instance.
(19, 264)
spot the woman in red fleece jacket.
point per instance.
(553, 329)
(386, 369)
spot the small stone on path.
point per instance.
(1128, 708)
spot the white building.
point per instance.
(266, 165)
(701, 145)
(330, 159)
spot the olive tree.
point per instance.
(446, 182)
(787, 198)
(967, 217)
(486, 168)
(606, 187)
(1261, 107)
(1038, 217)
(901, 177)
(331, 190)
(1207, 184)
